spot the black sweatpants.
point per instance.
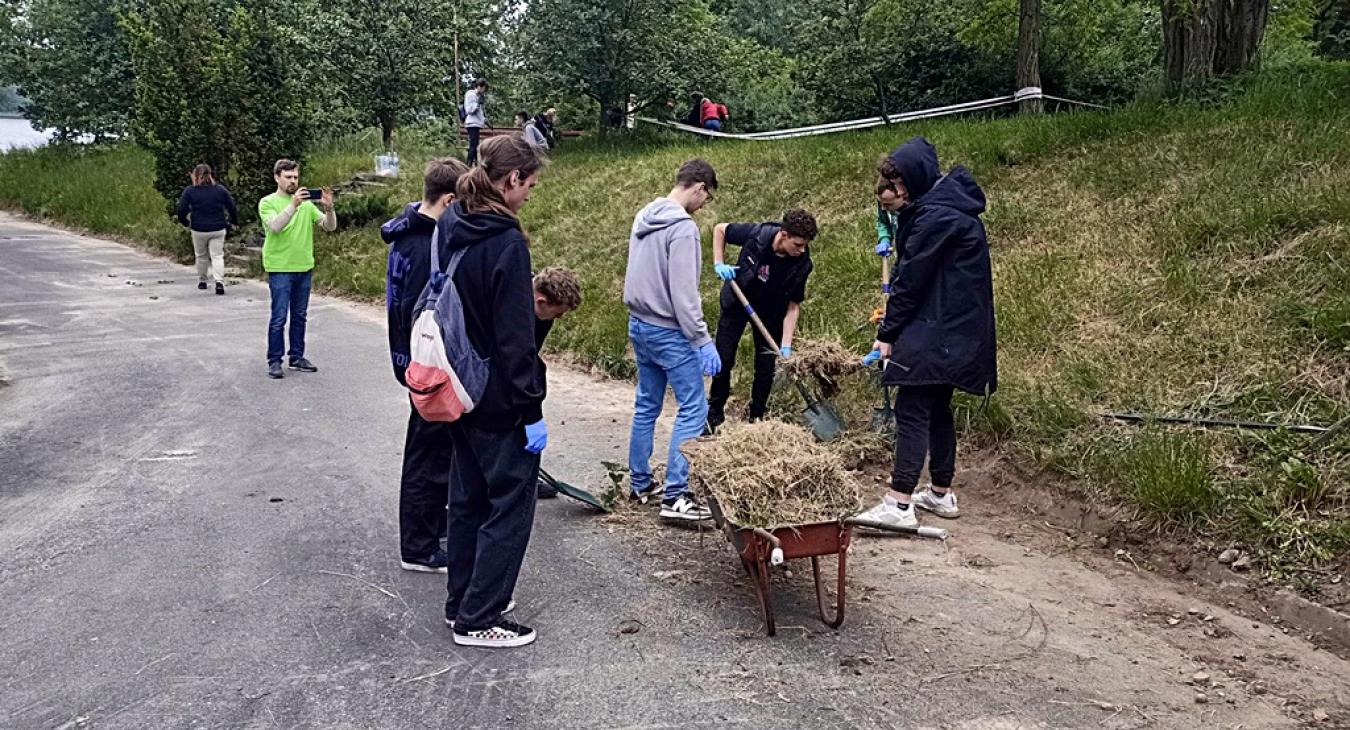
(492, 496)
(923, 428)
(730, 327)
(473, 145)
(424, 488)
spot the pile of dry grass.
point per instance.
(771, 474)
(824, 360)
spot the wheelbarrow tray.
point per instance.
(756, 547)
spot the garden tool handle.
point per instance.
(759, 324)
(886, 275)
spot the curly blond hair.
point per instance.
(559, 286)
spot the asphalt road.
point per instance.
(188, 543)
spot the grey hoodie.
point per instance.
(665, 257)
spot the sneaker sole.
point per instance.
(949, 515)
(519, 641)
(278, 376)
(302, 370)
(683, 516)
(419, 568)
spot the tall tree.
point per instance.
(1029, 52)
(69, 59)
(215, 84)
(393, 58)
(1204, 39)
(611, 50)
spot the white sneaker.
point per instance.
(889, 515)
(505, 635)
(510, 606)
(944, 506)
(685, 507)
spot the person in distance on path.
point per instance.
(288, 217)
(937, 334)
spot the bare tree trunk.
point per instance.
(1029, 53)
(1240, 35)
(1203, 39)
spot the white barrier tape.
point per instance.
(1030, 92)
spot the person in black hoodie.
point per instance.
(938, 331)
(497, 445)
(207, 209)
(424, 487)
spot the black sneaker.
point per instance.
(642, 495)
(274, 370)
(433, 563)
(201, 285)
(220, 289)
(546, 490)
(303, 366)
(686, 508)
(510, 606)
(505, 635)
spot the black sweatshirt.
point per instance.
(497, 290)
(210, 206)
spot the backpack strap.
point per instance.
(454, 262)
(436, 249)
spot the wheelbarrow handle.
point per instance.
(932, 533)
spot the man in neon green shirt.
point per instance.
(288, 217)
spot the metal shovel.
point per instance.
(824, 423)
(883, 414)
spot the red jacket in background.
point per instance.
(712, 110)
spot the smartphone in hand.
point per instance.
(315, 194)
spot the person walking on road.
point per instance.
(424, 487)
(495, 465)
(937, 334)
(288, 217)
(772, 270)
(475, 116)
(670, 338)
(208, 210)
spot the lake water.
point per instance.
(18, 133)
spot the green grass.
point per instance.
(1188, 259)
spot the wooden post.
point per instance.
(1029, 53)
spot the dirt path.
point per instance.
(1014, 602)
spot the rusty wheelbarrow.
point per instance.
(760, 549)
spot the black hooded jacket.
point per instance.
(940, 314)
(495, 284)
(409, 237)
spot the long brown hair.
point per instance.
(498, 157)
(202, 175)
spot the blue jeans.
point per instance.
(290, 294)
(713, 124)
(664, 357)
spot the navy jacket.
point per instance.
(210, 206)
(940, 315)
(497, 290)
(409, 237)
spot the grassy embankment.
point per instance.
(1186, 259)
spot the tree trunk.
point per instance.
(387, 129)
(1240, 35)
(1029, 53)
(1203, 39)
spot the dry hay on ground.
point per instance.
(773, 474)
(825, 360)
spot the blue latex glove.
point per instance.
(536, 437)
(725, 272)
(712, 362)
(786, 350)
(883, 248)
(871, 358)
